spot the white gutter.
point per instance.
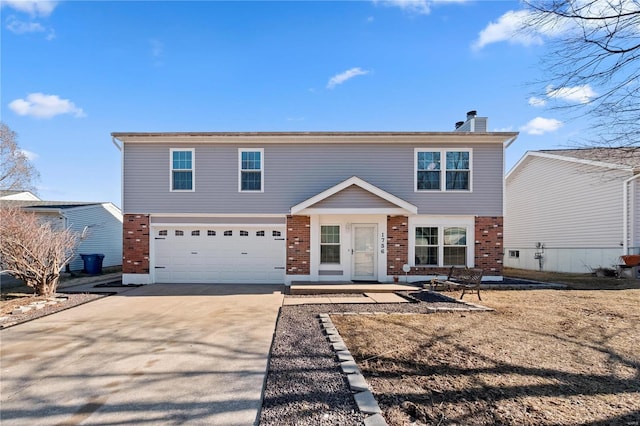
(626, 222)
(120, 146)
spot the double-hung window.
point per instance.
(330, 244)
(251, 168)
(441, 246)
(182, 162)
(442, 170)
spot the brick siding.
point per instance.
(489, 250)
(298, 245)
(397, 244)
(135, 250)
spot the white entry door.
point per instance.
(364, 257)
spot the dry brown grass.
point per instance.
(544, 357)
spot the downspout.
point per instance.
(625, 212)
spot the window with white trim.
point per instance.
(429, 165)
(259, 233)
(211, 233)
(179, 233)
(514, 253)
(228, 233)
(244, 233)
(182, 161)
(441, 246)
(330, 244)
(251, 169)
(195, 233)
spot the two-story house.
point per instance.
(311, 206)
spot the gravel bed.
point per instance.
(304, 383)
(73, 299)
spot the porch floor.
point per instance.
(346, 287)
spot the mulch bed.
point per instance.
(8, 304)
(305, 385)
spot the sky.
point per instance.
(72, 72)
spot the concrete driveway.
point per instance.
(159, 354)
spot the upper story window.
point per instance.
(251, 170)
(182, 169)
(429, 167)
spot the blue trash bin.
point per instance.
(92, 263)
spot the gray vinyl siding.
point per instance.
(354, 197)
(103, 236)
(296, 172)
(563, 205)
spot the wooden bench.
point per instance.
(468, 279)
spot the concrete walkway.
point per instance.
(159, 354)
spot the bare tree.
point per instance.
(595, 61)
(16, 171)
(33, 251)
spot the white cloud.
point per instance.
(20, 27)
(32, 7)
(344, 76)
(537, 102)
(29, 154)
(507, 28)
(540, 126)
(40, 105)
(577, 94)
(420, 7)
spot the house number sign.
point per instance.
(382, 242)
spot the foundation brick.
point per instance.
(299, 245)
(135, 249)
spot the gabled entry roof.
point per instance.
(390, 203)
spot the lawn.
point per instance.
(544, 357)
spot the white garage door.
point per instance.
(214, 254)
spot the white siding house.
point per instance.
(572, 210)
(99, 225)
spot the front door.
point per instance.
(364, 259)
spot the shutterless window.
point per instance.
(514, 253)
(276, 233)
(244, 233)
(259, 233)
(162, 233)
(455, 246)
(251, 168)
(211, 233)
(195, 233)
(330, 244)
(458, 171)
(228, 233)
(179, 233)
(182, 170)
(426, 245)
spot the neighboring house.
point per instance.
(311, 206)
(18, 195)
(99, 225)
(573, 210)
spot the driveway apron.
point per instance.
(159, 354)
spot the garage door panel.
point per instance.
(218, 259)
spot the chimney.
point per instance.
(471, 114)
(459, 124)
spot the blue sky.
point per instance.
(73, 72)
